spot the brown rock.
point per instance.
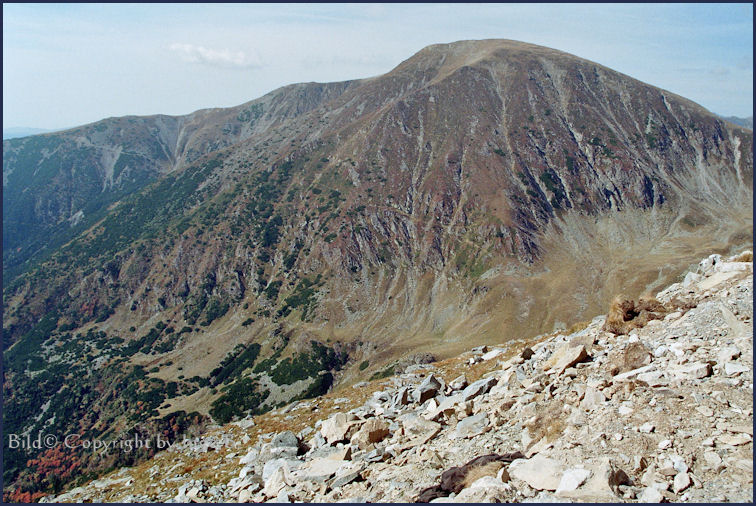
(565, 357)
(372, 431)
(635, 356)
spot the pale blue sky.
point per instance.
(70, 64)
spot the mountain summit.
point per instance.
(170, 269)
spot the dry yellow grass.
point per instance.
(548, 423)
(478, 472)
(625, 314)
(746, 256)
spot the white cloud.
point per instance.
(224, 58)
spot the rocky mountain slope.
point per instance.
(163, 271)
(661, 413)
(56, 182)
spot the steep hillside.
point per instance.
(325, 233)
(57, 185)
(660, 411)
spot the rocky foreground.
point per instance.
(662, 413)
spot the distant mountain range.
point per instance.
(163, 270)
(744, 122)
(16, 132)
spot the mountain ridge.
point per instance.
(322, 233)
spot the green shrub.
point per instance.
(235, 363)
(241, 398)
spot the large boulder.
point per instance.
(478, 388)
(471, 426)
(541, 473)
(564, 357)
(427, 389)
(374, 430)
(336, 428)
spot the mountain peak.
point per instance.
(446, 58)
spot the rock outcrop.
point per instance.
(663, 413)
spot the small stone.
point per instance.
(570, 372)
(625, 410)
(664, 444)
(432, 405)
(682, 481)
(668, 471)
(492, 354)
(653, 379)
(415, 426)
(592, 399)
(345, 479)
(459, 382)
(729, 427)
(250, 457)
(735, 439)
(650, 495)
(272, 466)
(696, 370)
(690, 279)
(713, 459)
(733, 369)
(728, 353)
(678, 463)
(447, 407)
(705, 411)
(276, 482)
(285, 439)
(471, 426)
(618, 437)
(572, 479)
(478, 388)
(635, 372)
(320, 469)
(341, 454)
(647, 428)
